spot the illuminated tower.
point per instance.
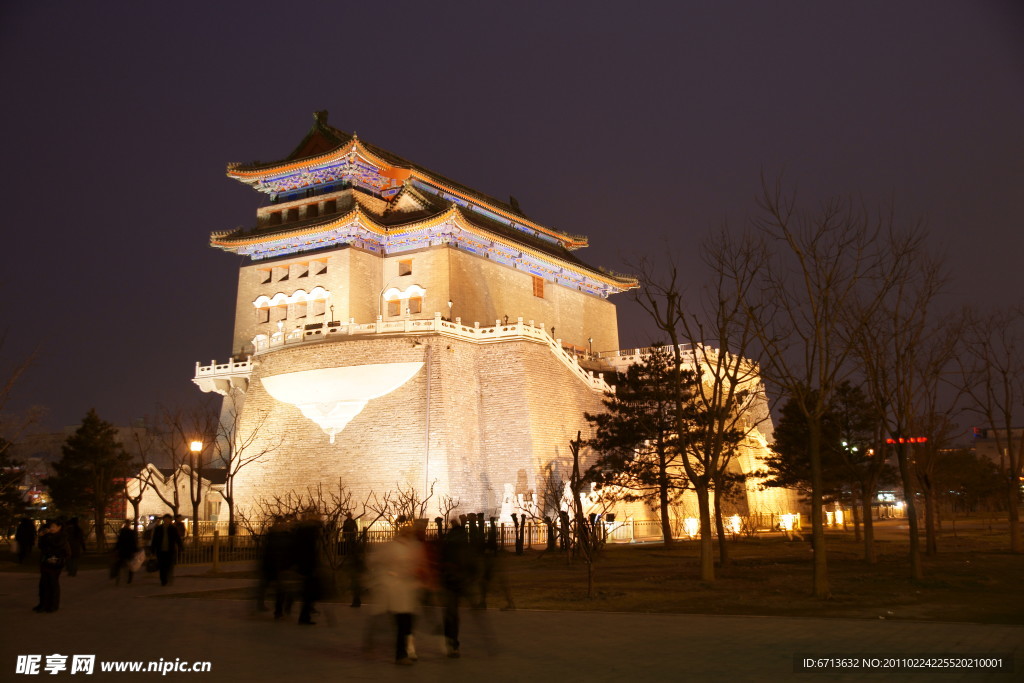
(405, 330)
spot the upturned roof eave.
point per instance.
(224, 241)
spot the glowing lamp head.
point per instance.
(196, 446)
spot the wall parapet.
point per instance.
(221, 378)
(215, 375)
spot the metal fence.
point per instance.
(213, 544)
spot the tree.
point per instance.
(240, 444)
(789, 465)
(587, 527)
(701, 418)
(831, 270)
(852, 467)
(966, 480)
(731, 404)
(12, 473)
(91, 471)
(903, 353)
(186, 437)
(862, 456)
(992, 379)
(636, 439)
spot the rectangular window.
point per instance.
(300, 270)
(395, 307)
(330, 206)
(279, 313)
(263, 314)
(416, 304)
(280, 273)
(319, 306)
(264, 275)
(319, 267)
(405, 267)
(293, 215)
(312, 211)
(299, 310)
(275, 218)
(538, 286)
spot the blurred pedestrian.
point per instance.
(305, 548)
(76, 542)
(25, 536)
(274, 564)
(456, 570)
(53, 554)
(179, 524)
(125, 549)
(399, 572)
(166, 545)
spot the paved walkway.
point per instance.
(130, 623)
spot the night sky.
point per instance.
(639, 125)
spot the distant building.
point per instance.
(159, 484)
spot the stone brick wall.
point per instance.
(498, 413)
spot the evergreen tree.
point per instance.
(12, 501)
(91, 471)
(636, 438)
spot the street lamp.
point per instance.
(590, 340)
(194, 483)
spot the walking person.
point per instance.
(400, 571)
(76, 542)
(166, 545)
(25, 536)
(125, 549)
(305, 539)
(54, 552)
(456, 573)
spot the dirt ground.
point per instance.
(972, 579)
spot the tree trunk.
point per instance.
(707, 549)
(666, 522)
(855, 511)
(931, 545)
(723, 544)
(1013, 513)
(908, 493)
(869, 532)
(820, 582)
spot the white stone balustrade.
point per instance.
(334, 330)
(221, 378)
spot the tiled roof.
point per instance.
(323, 139)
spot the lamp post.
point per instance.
(450, 304)
(195, 486)
(590, 340)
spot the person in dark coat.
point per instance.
(305, 539)
(456, 574)
(76, 542)
(274, 565)
(26, 538)
(166, 545)
(125, 548)
(54, 552)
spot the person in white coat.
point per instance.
(400, 571)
